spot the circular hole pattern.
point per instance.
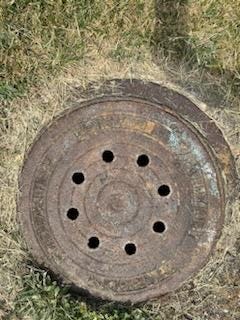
(164, 190)
(78, 177)
(107, 156)
(143, 160)
(93, 242)
(72, 213)
(159, 227)
(130, 248)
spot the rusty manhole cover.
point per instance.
(124, 195)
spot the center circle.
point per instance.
(117, 201)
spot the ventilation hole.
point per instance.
(78, 177)
(93, 243)
(159, 227)
(107, 156)
(72, 214)
(164, 190)
(143, 160)
(130, 248)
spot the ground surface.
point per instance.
(47, 49)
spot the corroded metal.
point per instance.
(124, 195)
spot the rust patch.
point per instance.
(124, 195)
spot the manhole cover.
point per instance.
(124, 195)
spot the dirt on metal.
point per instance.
(124, 195)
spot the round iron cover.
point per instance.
(124, 195)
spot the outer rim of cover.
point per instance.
(185, 109)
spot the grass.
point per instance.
(44, 299)
(50, 48)
(39, 38)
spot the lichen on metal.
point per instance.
(123, 195)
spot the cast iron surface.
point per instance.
(124, 195)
